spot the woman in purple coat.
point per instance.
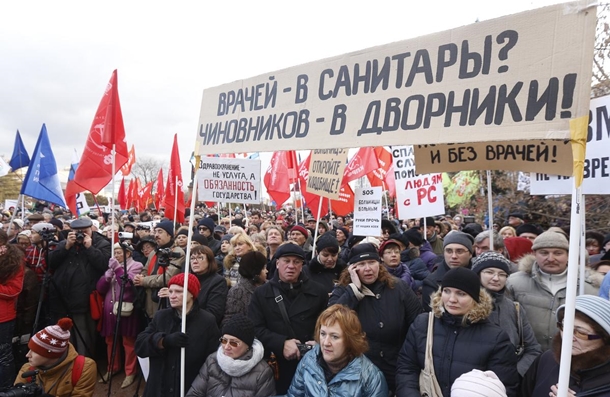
(110, 287)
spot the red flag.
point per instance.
(277, 180)
(134, 189)
(159, 193)
(95, 167)
(126, 169)
(363, 162)
(174, 174)
(144, 195)
(292, 165)
(384, 173)
(122, 197)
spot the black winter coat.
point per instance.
(544, 372)
(385, 319)
(213, 294)
(75, 274)
(457, 349)
(164, 377)
(304, 302)
(321, 275)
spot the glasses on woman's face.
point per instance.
(492, 274)
(232, 343)
(580, 333)
(197, 258)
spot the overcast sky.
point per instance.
(57, 57)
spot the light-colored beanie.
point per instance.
(551, 240)
(478, 384)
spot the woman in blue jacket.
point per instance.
(337, 366)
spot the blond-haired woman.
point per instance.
(463, 338)
(240, 244)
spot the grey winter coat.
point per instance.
(360, 378)
(539, 303)
(504, 315)
(248, 376)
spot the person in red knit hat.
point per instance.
(162, 340)
(60, 370)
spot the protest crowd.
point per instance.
(271, 311)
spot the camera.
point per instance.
(164, 255)
(80, 237)
(125, 235)
(303, 348)
(142, 227)
(23, 390)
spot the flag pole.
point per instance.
(315, 233)
(570, 303)
(490, 216)
(112, 200)
(186, 281)
(387, 206)
(22, 207)
(582, 249)
(176, 203)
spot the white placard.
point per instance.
(229, 180)
(597, 162)
(367, 212)
(522, 76)
(416, 195)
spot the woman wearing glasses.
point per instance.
(590, 368)
(493, 270)
(213, 293)
(238, 367)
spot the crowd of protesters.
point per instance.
(278, 307)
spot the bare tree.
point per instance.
(147, 169)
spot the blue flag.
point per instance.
(42, 182)
(20, 156)
(73, 166)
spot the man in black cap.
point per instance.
(436, 241)
(156, 273)
(529, 231)
(515, 219)
(77, 263)
(302, 300)
(206, 228)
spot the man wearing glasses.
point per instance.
(457, 252)
(206, 227)
(540, 285)
(302, 300)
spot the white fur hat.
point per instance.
(478, 384)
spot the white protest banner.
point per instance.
(367, 212)
(522, 76)
(229, 180)
(10, 203)
(597, 161)
(326, 172)
(416, 195)
(550, 156)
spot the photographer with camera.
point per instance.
(284, 312)
(161, 266)
(54, 367)
(77, 263)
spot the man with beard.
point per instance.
(154, 276)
